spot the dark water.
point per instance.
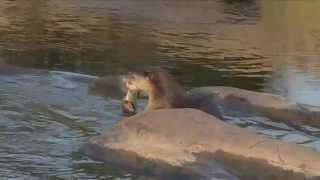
(264, 45)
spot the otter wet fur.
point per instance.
(165, 92)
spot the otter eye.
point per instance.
(145, 73)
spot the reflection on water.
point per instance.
(271, 46)
(261, 45)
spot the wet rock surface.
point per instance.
(175, 141)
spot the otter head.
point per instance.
(142, 81)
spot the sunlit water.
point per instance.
(263, 45)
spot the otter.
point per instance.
(163, 92)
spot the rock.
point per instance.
(74, 76)
(275, 107)
(63, 83)
(189, 143)
(109, 86)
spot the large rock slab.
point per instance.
(189, 143)
(268, 105)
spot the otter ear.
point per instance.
(151, 76)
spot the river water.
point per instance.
(263, 45)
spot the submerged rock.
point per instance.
(109, 86)
(191, 144)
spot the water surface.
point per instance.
(263, 45)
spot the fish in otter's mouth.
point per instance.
(129, 103)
